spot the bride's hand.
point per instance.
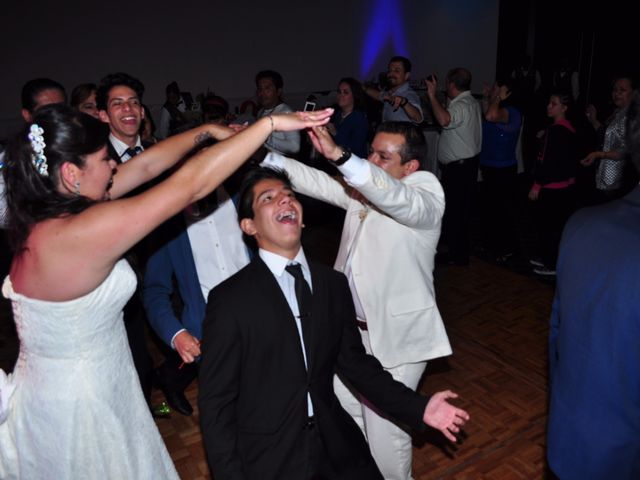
(284, 122)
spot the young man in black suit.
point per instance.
(274, 335)
(119, 102)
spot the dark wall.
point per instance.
(220, 45)
(600, 40)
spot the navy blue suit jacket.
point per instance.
(173, 258)
(594, 416)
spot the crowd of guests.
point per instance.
(107, 213)
(92, 207)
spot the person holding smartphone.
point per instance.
(269, 86)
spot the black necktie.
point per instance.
(303, 292)
(132, 152)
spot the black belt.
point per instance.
(456, 162)
(462, 161)
(362, 325)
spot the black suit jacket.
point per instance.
(112, 152)
(134, 318)
(253, 381)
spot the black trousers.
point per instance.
(174, 375)
(499, 209)
(459, 181)
(554, 207)
(319, 466)
(134, 324)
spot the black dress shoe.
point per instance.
(176, 399)
(178, 402)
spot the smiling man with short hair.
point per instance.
(119, 101)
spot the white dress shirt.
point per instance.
(399, 114)
(462, 137)
(120, 147)
(216, 243)
(217, 246)
(277, 264)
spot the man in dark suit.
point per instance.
(119, 102)
(274, 335)
(36, 93)
(594, 341)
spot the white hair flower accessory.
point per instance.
(38, 158)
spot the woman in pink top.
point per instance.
(554, 174)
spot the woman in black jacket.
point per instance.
(553, 188)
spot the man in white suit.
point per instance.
(387, 249)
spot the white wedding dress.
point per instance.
(73, 407)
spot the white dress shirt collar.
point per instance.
(120, 146)
(277, 263)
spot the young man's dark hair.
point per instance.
(214, 108)
(275, 77)
(415, 145)
(32, 88)
(406, 63)
(80, 93)
(172, 88)
(114, 80)
(247, 195)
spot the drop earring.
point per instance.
(77, 188)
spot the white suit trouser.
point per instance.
(390, 444)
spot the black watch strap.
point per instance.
(346, 155)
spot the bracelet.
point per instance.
(404, 102)
(271, 120)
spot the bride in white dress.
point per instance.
(73, 407)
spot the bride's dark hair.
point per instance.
(31, 197)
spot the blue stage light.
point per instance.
(385, 25)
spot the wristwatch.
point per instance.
(346, 155)
(404, 102)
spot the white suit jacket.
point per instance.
(392, 259)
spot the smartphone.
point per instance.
(309, 106)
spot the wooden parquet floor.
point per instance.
(497, 324)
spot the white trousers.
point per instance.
(390, 444)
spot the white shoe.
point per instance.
(544, 271)
(536, 262)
